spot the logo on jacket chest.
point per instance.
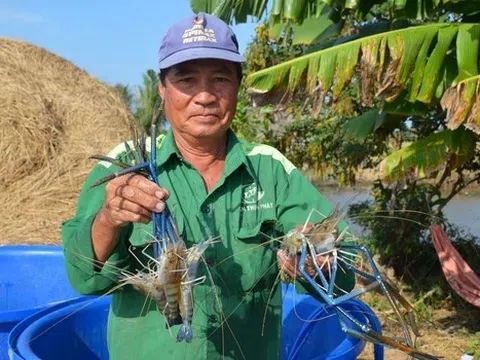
(251, 196)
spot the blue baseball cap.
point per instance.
(201, 36)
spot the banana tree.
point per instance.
(415, 65)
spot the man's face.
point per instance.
(200, 97)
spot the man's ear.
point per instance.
(161, 89)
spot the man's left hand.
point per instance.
(291, 264)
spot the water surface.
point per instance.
(463, 210)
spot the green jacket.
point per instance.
(260, 196)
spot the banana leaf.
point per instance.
(294, 9)
(431, 153)
(360, 127)
(467, 51)
(314, 30)
(462, 103)
(311, 30)
(410, 60)
(388, 118)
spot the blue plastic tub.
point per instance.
(313, 331)
(19, 329)
(31, 278)
(79, 332)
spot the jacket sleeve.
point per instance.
(296, 200)
(85, 277)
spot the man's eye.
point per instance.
(186, 79)
(222, 79)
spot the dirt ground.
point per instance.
(448, 335)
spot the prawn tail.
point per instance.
(172, 321)
(185, 333)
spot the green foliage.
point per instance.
(317, 144)
(364, 125)
(148, 99)
(255, 123)
(474, 347)
(252, 124)
(429, 153)
(322, 145)
(264, 52)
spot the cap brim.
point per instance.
(200, 53)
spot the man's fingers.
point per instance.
(132, 198)
(118, 204)
(137, 196)
(290, 270)
(125, 216)
(291, 264)
(148, 187)
(309, 266)
(141, 182)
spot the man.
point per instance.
(216, 186)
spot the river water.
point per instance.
(463, 210)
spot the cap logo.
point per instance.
(198, 32)
(197, 20)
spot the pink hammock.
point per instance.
(459, 275)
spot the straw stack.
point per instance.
(53, 115)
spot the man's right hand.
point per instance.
(128, 199)
(132, 198)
